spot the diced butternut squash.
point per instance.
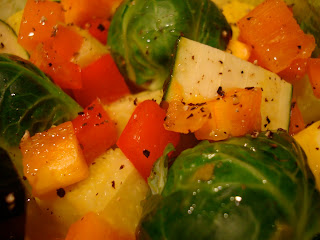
(275, 36)
(184, 118)
(81, 11)
(235, 114)
(92, 226)
(53, 159)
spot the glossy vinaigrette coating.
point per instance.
(252, 187)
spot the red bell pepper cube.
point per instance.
(101, 79)
(53, 56)
(98, 28)
(95, 130)
(144, 137)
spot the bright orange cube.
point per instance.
(91, 226)
(53, 159)
(39, 22)
(235, 114)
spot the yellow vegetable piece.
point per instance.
(53, 159)
(114, 190)
(309, 139)
(15, 20)
(239, 49)
(234, 11)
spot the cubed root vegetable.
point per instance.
(313, 70)
(144, 137)
(184, 118)
(53, 159)
(81, 11)
(235, 114)
(92, 226)
(95, 130)
(275, 36)
(38, 22)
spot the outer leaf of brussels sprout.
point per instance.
(29, 101)
(243, 188)
(143, 34)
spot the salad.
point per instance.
(166, 119)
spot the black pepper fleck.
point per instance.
(146, 153)
(61, 192)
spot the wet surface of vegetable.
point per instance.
(244, 188)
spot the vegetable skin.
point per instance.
(245, 188)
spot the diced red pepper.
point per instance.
(101, 79)
(39, 22)
(53, 56)
(95, 131)
(98, 28)
(144, 137)
(313, 70)
(296, 70)
(296, 120)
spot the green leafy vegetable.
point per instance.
(143, 34)
(243, 188)
(159, 172)
(29, 101)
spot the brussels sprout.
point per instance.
(29, 101)
(243, 188)
(143, 34)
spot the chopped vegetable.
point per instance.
(95, 131)
(39, 22)
(296, 120)
(244, 188)
(9, 41)
(54, 55)
(92, 226)
(217, 72)
(313, 70)
(81, 11)
(98, 28)
(121, 110)
(296, 70)
(310, 142)
(144, 137)
(114, 190)
(236, 114)
(101, 79)
(53, 159)
(143, 35)
(275, 36)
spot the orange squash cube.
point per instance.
(53, 159)
(91, 226)
(235, 114)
